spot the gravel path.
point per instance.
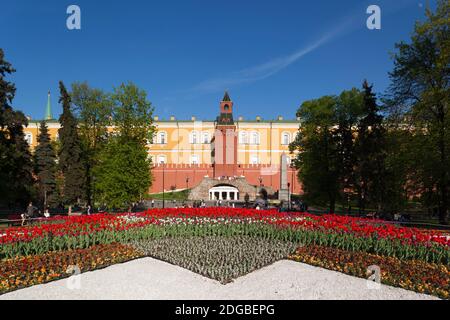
(150, 279)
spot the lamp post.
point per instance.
(289, 195)
(292, 177)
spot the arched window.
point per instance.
(254, 138)
(29, 138)
(206, 138)
(285, 138)
(243, 137)
(162, 137)
(194, 137)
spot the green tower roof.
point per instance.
(226, 97)
(48, 111)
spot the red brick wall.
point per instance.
(175, 175)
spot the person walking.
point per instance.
(31, 210)
(29, 213)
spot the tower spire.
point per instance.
(226, 97)
(48, 111)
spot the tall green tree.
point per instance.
(319, 160)
(93, 110)
(46, 167)
(371, 152)
(122, 174)
(349, 110)
(15, 158)
(70, 152)
(420, 94)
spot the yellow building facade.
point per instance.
(182, 146)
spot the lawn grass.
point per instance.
(170, 195)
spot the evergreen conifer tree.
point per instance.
(70, 154)
(16, 178)
(45, 167)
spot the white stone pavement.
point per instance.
(150, 279)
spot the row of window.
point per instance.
(29, 137)
(252, 138)
(195, 159)
(162, 159)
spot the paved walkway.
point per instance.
(151, 279)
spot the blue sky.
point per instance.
(270, 54)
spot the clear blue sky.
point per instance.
(272, 55)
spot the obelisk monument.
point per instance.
(283, 194)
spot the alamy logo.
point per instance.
(73, 22)
(74, 281)
(374, 280)
(374, 20)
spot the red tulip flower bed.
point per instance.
(336, 233)
(330, 230)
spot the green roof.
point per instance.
(226, 97)
(48, 111)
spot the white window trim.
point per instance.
(29, 138)
(206, 138)
(191, 137)
(159, 135)
(243, 137)
(252, 140)
(288, 134)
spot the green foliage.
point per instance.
(429, 252)
(370, 148)
(346, 153)
(132, 113)
(122, 175)
(93, 110)
(15, 158)
(172, 195)
(70, 153)
(318, 160)
(326, 146)
(46, 168)
(419, 97)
